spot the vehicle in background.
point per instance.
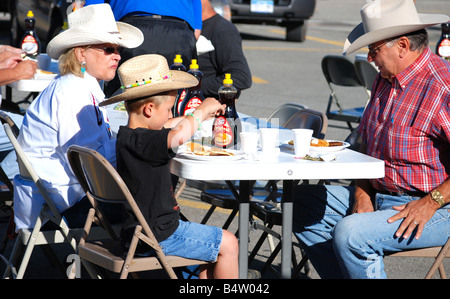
(291, 14)
(50, 16)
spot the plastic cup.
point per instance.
(268, 139)
(302, 141)
(249, 142)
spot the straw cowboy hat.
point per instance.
(147, 75)
(384, 19)
(94, 24)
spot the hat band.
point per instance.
(144, 82)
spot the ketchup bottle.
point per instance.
(194, 95)
(443, 45)
(226, 127)
(178, 66)
(30, 41)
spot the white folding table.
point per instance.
(348, 165)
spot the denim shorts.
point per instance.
(195, 241)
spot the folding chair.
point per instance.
(7, 195)
(367, 73)
(49, 213)
(284, 112)
(102, 183)
(340, 71)
(438, 252)
(308, 118)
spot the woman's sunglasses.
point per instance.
(108, 50)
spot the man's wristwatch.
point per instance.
(437, 197)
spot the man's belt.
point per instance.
(152, 16)
(406, 193)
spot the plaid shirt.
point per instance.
(407, 124)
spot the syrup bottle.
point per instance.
(226, 127)
(178, 66)
(194, 96)
(443, 45)
(30, 41)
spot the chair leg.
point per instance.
(208, 215)
(438, 262)
(230, 219)
(29, 248)
(17, 250)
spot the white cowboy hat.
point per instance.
(384, 19)
(147, 75)
(94, 24)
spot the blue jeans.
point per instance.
(344, 245)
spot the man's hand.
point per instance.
(414, 214)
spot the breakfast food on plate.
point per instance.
(201, 150)
(321, 143)
(39, 71)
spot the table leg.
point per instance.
(287, 208)
(244, 212)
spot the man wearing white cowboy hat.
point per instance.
(67, 112)
(346, 231)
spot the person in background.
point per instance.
(169, 28)
(67, 112)
(346, 231)
(227, 56)
(144, 148)
(12, 68)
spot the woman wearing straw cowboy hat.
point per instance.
(144, 148)
(67, 111)
(346, 231)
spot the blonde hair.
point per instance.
(69, 64)
(157, 99)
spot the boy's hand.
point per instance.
(210, 107)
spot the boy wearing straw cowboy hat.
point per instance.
(144, 148)
(346, 231)
(67, 112)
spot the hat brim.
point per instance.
(129, 37)
(358, 38)
(178, 80)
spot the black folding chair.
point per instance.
(340, 71)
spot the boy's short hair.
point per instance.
(157, 99)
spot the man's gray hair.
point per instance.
(418, 40)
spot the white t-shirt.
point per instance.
(65, 113)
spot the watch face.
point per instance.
(437, 197)
(436, 194)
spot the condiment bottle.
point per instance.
(194, 96)
(226, 127)
(30, 41)
(443, 45)
(178, 66)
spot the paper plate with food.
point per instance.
(197, 151)
(327, 146)
(44, 75)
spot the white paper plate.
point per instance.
(44, 76)
(190, 155)
(320, 149)
(329, 149)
